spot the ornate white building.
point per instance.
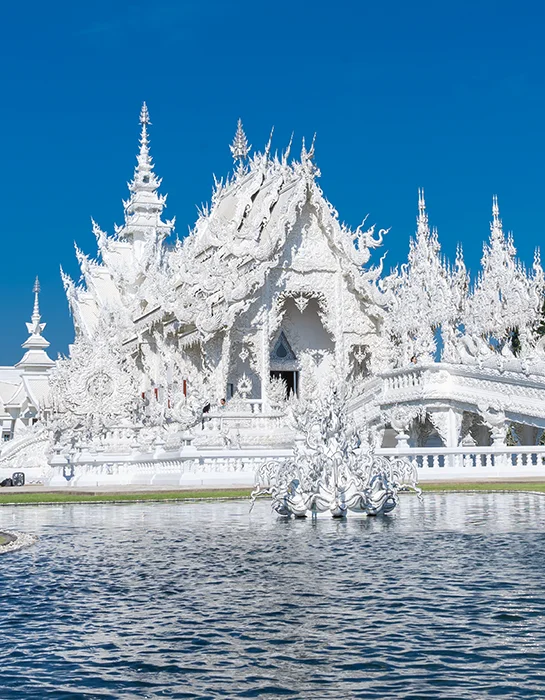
(25, 386)
(186, 350)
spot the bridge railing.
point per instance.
(436, 463)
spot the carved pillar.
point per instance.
(265, 361)
(402, 439)
(224, 364)
(265, 341)
(215, 363)
(499, 434)
(447, 422)
(494, 418)
(400, 418)
(340, 357)
(455, 430)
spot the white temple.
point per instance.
(189, 354)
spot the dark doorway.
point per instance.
(291, 378)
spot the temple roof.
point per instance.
(211, 276)
(247, 232)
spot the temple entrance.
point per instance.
(291, 379)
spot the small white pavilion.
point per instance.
(24, 386)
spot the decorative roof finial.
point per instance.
(495, 211)
(36, 359)
(421, 201)
(35, 328)
(240, 148)
(36, 311)
(422, 219)
(144, 157)
(287, 152)
(310, 154)
(307, 156)
(144, 202)
(144, 115)
(496, 227)
(269, 144)
(459, 255)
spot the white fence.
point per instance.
(236, 467)
(126, 462)
(473, 463)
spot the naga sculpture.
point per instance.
(333, 468)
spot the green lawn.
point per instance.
(485, 486)
(91, 497)
(94, 497)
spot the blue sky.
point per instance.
(448, 96)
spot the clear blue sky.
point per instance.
(449, 96)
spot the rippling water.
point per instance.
(442, 599)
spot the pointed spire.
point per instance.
(36, 310)
(460, 264)
(144, 202)
(35, 328)
(537, 259)
(312, 147)
(421, 202)
(422, 218)
(269, 144)
(496, 224)
(287, 152)
(144, 116)
(460, 276)
(424, 286)
(240, 148)
(35, 359)
(537, 270)
(308, 155)
(144, 177)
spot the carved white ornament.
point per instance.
(244, 386)
(328, 472)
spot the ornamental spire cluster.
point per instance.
(498, 318)
(240, 147)
(505, 297)
(422, 295)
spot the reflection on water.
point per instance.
(442, 599)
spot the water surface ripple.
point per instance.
(442, 599)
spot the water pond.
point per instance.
(442, 599)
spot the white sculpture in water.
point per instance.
(333, 469)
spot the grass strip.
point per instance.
(53, 497)
(118, 497)
(484, 486)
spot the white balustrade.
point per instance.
(466, 463)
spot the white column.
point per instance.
(265, 360)
(454, 422)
